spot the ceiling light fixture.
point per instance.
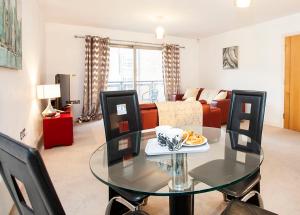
(242, 3)
(160, 33)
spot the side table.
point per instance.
(58, 131)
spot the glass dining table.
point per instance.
(123, 163)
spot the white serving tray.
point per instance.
(153, 148)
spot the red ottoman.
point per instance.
(149, 115)
(58, 131)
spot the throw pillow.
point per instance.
(190, 99)
(222, 95)
(190, 92)
(208, 95)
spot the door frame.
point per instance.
(287, 74)
(287, 78)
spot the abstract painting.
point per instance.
(231, 57)
(11, 34)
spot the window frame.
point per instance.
(134, 48)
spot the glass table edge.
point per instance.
(179, 193)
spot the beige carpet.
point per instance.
(81, 193)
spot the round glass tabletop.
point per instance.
(123, 163)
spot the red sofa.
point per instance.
(224, 104)
(149, 115)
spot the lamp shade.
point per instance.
(48, 91)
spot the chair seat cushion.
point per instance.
(222, 169)
(241, 208)
(242, 188)
(130, 196)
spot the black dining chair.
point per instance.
(241, 208)
(256, 102)
(254, 118)
(22, 168)
(27, 179)
(121, 115)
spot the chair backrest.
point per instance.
(121, 113)
(22, 165)
(257, 102)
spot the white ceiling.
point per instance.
(187, 18)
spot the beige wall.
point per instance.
(19, 107)
(261, 61)
(65, 54)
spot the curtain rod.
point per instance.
(129, 41)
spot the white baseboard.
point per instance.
(40, 142)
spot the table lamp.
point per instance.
(49, 92)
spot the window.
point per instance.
(136, 68)
(121, 69)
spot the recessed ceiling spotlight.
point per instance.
(160, 33)
(242, 3)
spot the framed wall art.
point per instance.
(231, 57)
(11, 34)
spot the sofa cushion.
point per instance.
(203, 101)
(147, 106)
(208, 95)
(228, 93)
(149, 118)
(190, 92)
(221, 95)
(199, 93)
(190, 99)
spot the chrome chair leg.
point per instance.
(145, 202)
(121, 200)
(225, 198)
(250, 195)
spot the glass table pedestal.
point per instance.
(180, 204)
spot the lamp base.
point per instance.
(49, 111)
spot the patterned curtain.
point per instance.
(96, 75)
(171, 70)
